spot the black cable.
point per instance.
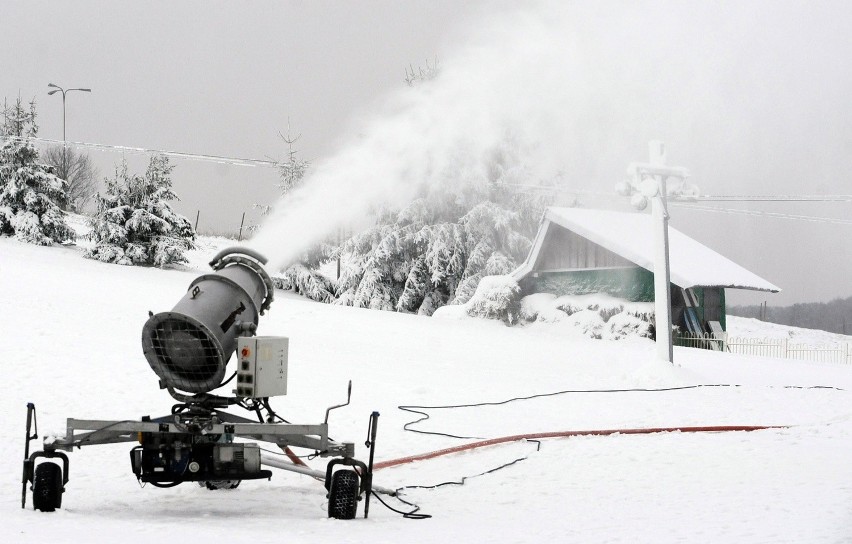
(272, 414)
(413, 514)
(465, 478)
(408, 515)
(234, 375)
(415, 409)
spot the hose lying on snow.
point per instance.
(566, 434)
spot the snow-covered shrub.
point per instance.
(31, 196)
(605, 304)
(624, 325)
(532, 306)
(640, 310)
(496, 297)
(594, 315)
(587, 322)
(134, 223)
(569, 304)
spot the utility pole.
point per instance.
(650, 181)
(662, 271)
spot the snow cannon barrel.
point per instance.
(189, 347)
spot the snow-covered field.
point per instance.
(71, 331)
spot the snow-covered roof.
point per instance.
(631, 236)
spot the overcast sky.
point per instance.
(751, 97)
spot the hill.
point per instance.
(72, 346)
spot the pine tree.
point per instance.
(135, 224)
(426, 256)
(31, 195)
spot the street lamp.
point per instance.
(58, 89)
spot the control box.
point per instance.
(261, 366)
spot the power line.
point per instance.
(698, 198)
(141, 150)
(775, 198)
(810, 218)
(265, 163)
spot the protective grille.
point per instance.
(189, 359)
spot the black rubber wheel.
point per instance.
(214, 485)
(47, 487)
(343, 495)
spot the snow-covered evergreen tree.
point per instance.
(135, 224)
(435, 250)
(31, 195)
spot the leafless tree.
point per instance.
(415, 77)
(76, 168)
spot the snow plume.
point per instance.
(545, 90)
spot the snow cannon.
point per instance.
(190, 346)
(200, 440)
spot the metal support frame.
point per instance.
(97, 431)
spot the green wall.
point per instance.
(633, 284)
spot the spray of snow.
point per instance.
(566, 85)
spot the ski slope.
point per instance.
(71, 330)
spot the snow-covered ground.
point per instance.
(71, 331)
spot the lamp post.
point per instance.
(58, 89)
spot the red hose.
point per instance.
(565, 434)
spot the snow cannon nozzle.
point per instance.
(190, 346)
(236, 250)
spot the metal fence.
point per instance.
(703, 341)
(782, 348)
